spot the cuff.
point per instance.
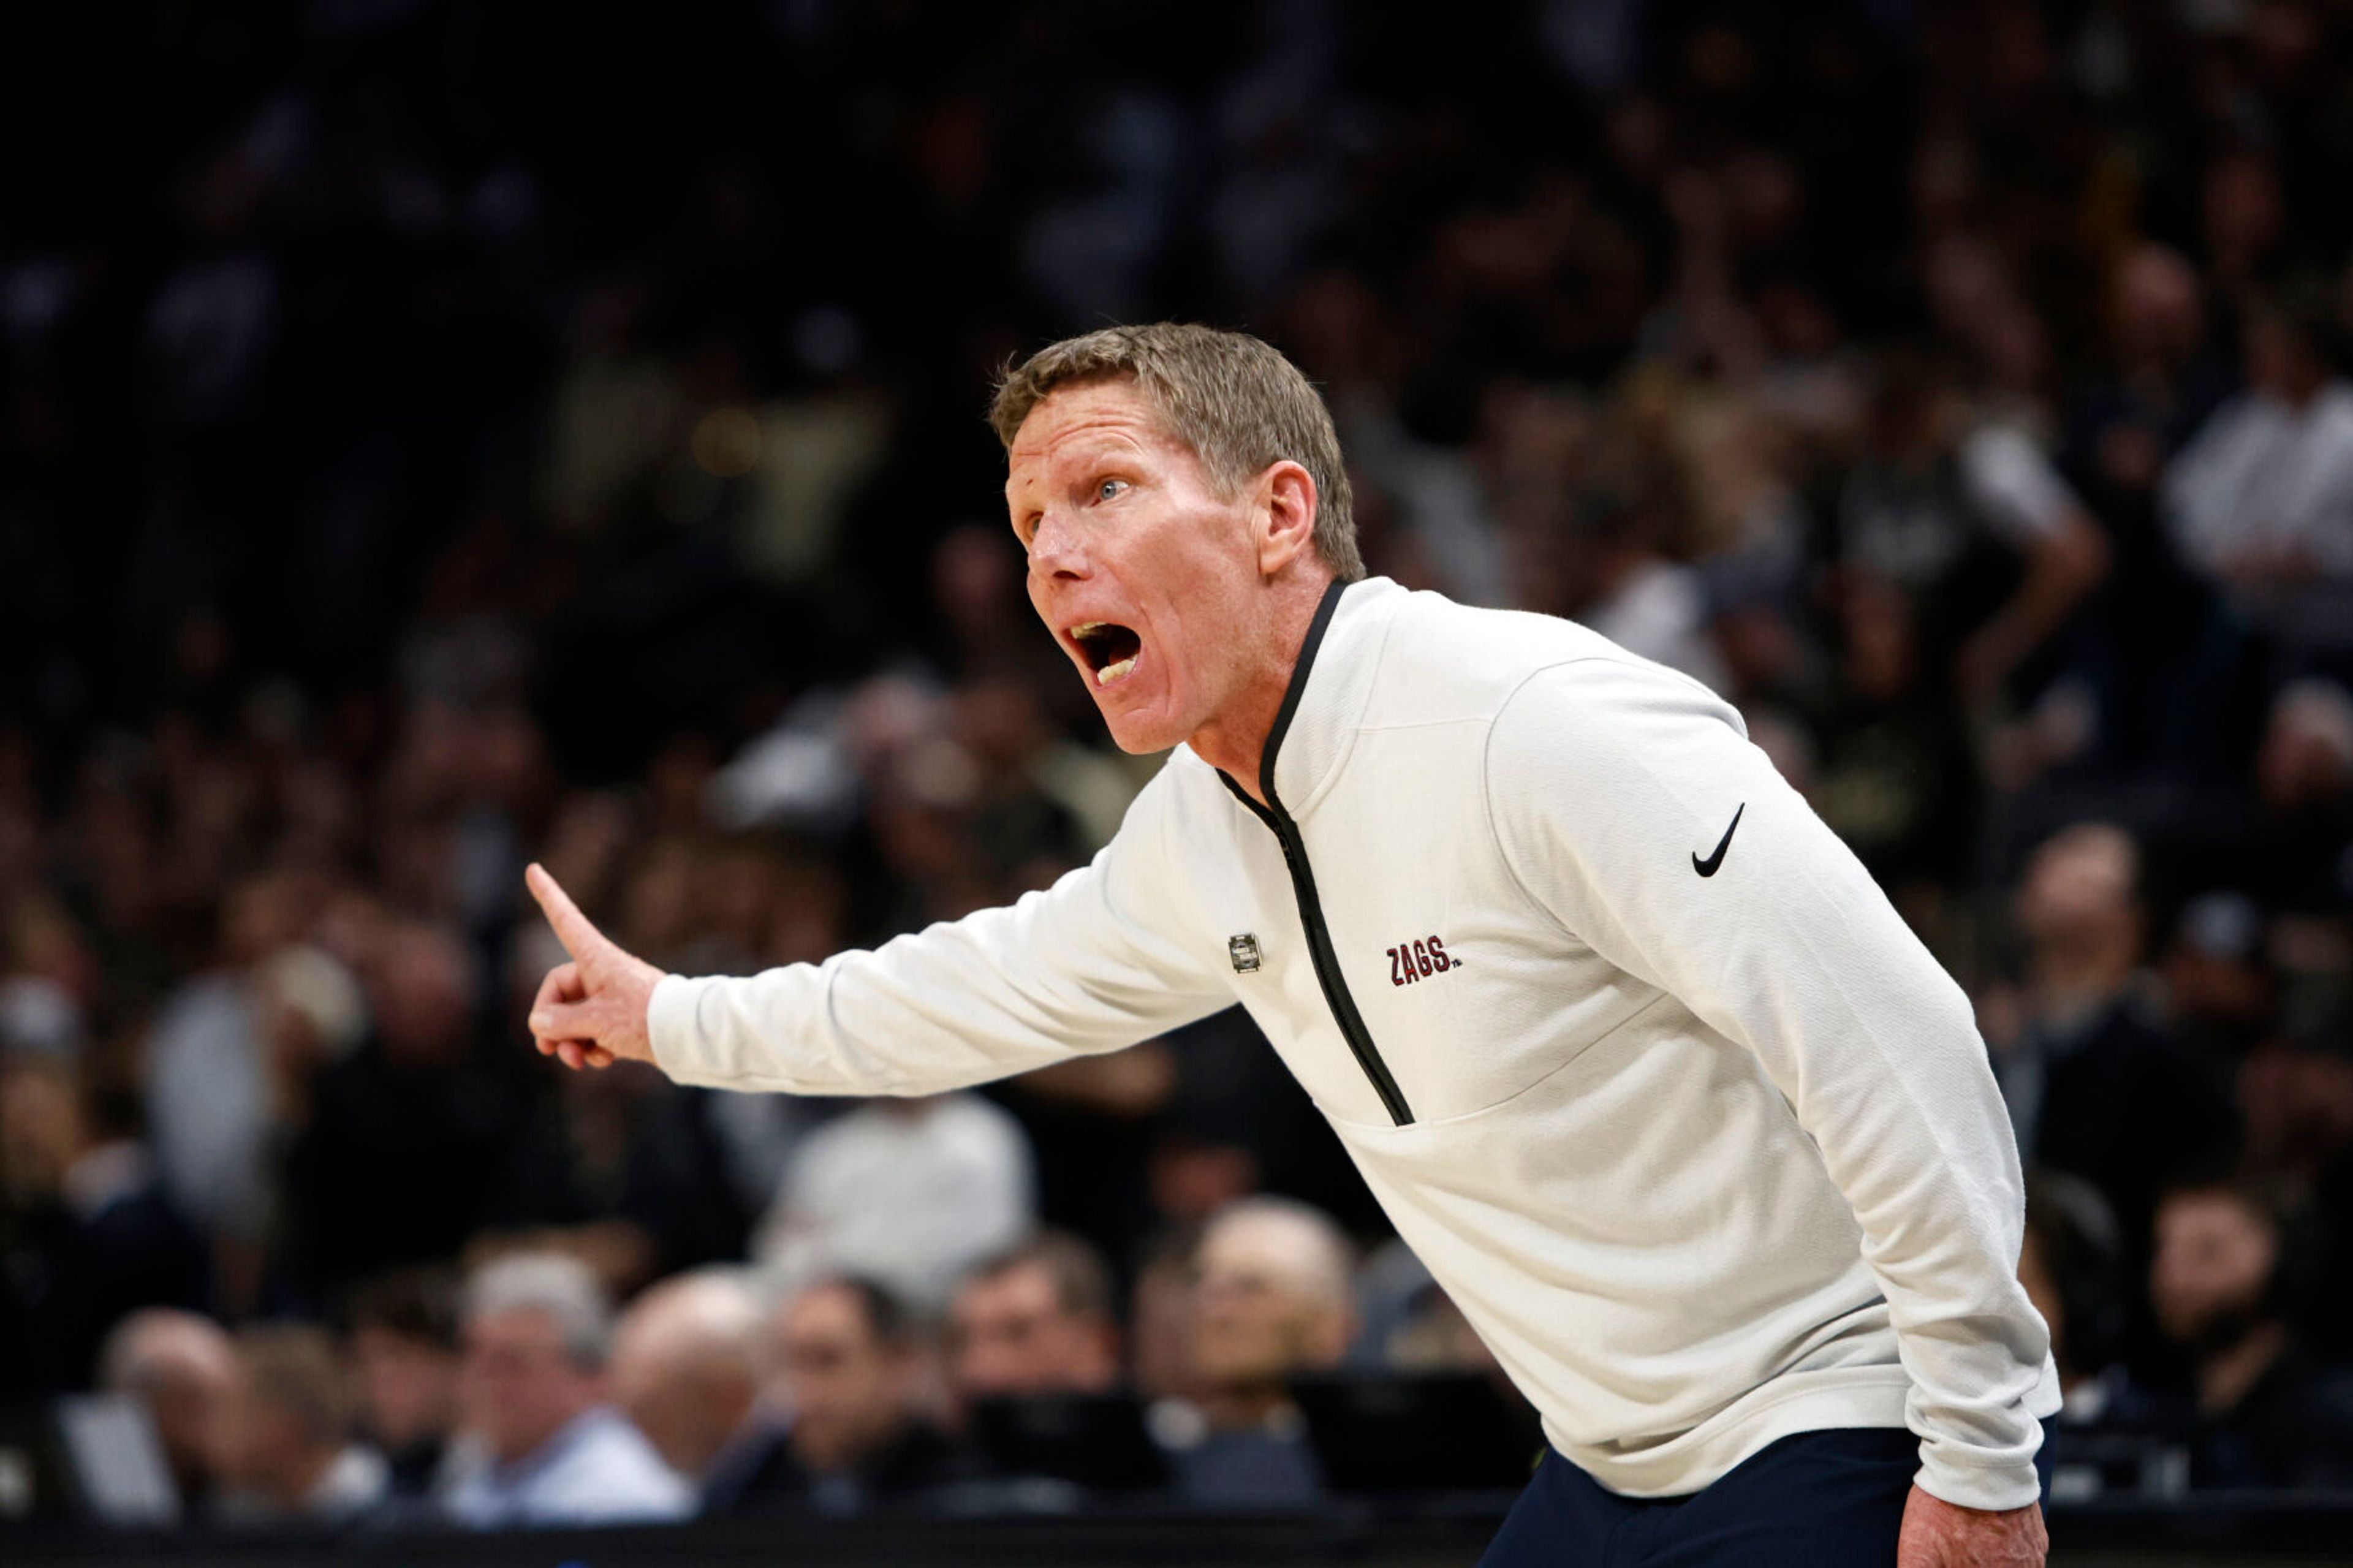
(670, 1024)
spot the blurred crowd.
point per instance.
(435, 436)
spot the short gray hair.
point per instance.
(1232, 398)
(552, 1282)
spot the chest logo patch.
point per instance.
(1412, 962)
(1243, 951)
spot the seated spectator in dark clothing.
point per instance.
(87, 1233)
(182, 1368)
(1273, 1300)
(2220, 991)
(626, 1167)
(849, 1364)
(2095, 1086)
(2111, 1434)
(287, 1449)
(407, 1135)
(2304, 782)
(1036, 1319)
(405, 1363)
(2272, 1414)
(537, 1329)
(686, 1368)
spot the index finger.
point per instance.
(572, 928)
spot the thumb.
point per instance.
(581, 939)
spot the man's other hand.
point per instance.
(591, 1011)
(1939, 1534)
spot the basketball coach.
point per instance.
(1632, 1050)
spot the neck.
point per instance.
(2226, 1377)
(1234, 741)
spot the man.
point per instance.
(907, 1193)
(536, 1329)
(1630, 1048)
(1970, 523)
(405, 1365)
(1271, 1302)
(686, 1367)
(1034, 1319)
(2097, 1085)
(2274, 1415)
(851, 1364)
(416, 1097)
(287, 1452)
(2257, 500)
(183, 1367)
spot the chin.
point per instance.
(1140, 734)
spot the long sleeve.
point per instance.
(1613, 788)
(1097, 962)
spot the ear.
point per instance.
(1286, 516)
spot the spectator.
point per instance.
(1939, 500)
(2303, 780)
(686, 1368)
(182, 1368)
(910, 1192)
(2112, 1433)
(404, 1360)
(417, 1097)
(287, 1450)
(2273, 1415)
(851, 1367)
(2218, 990)
(1272, 1301)
(89, 1233)
(537, 1329)
(2260, 498)
(2095, 1086)
(1034, 1318)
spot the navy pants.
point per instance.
(1814, 1499)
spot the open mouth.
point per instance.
(1109, 648)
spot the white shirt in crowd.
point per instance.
(908, 1194)
(598, 1469)
(2264, 475)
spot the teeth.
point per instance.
(1112, 672)
(1086, 628)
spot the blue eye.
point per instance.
(1109, 489)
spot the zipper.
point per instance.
(1279, 822)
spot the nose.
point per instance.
(1054, 548)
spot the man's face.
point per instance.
(408, 1387)
(518, 1387)
(1013, 1337)
(1145, 574)
(849, 1390)
(1254, 1321)
(2213, 1259)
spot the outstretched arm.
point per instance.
(1105, 957)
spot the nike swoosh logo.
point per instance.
(1707, 867)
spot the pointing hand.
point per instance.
(591, 1011)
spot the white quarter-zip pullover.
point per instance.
(1627, 1043)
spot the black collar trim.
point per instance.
(1299, 673)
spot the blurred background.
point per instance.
(435, 435)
